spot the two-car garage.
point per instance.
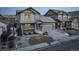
(48, 23)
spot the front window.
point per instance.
(28, 26)
(64, 17)
(60, 17)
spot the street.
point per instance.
(72, 45)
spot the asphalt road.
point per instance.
(65, 46)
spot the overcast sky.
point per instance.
(42, 10)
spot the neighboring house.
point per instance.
(75, 23)
(4, 20)
(2, 24)
(30, 19)
(74, 13)
(2, 27)
(61, 17)
(75, 19)
(9, 18)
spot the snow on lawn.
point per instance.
(61, 36)
(56, 35)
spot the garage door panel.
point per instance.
(46, 28)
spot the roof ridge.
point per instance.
(29, 8)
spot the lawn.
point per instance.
(39, 39)
(73, 32)
(71, 42)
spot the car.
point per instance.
(30, 31)
(39, 32)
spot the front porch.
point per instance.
(65, 25)
(30, 28)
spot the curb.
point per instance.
(37, 46)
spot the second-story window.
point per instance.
(64, 17)
(60, 17)
(27, 15)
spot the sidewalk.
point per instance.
(29, 48)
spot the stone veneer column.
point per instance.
(35, 26)
(22, 29)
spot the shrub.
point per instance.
(39, 39)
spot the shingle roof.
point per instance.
(2, 20)
(46, 19)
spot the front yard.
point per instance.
(29, 40)
(73, 32)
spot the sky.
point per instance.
(42, 10)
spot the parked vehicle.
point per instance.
(39, 32)
(30, 31)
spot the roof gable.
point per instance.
(30, 9)
(62, 12)
(74, 18)
(50, 11)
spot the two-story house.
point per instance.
(31, 20)
(75, 22)
(61, 17)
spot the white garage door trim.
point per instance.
(46, 27)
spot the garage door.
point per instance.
(46, 28)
